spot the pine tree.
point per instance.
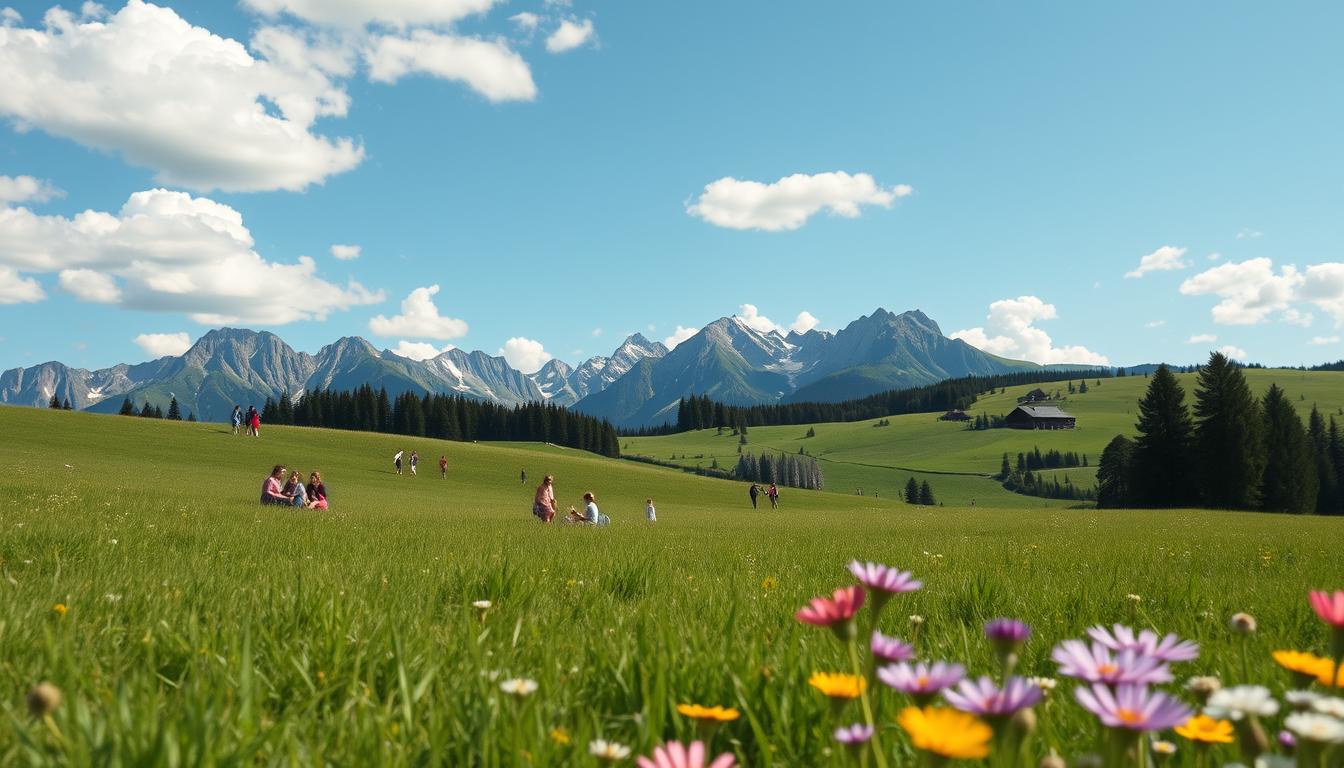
(148, 411)
(1114, 473)
(127, 407)
(1335, 449)
(174, 411)
(191, 417)
(911, 491)
(1290, 480)
(1229, 445)
(1005, 469)
(158, 412)
(1161, 453)
(926, 495)
(1327, 484)
(55, 402)
(65, 405)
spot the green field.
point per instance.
(956, 461)
(202, 629)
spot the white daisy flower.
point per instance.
(1239, 701)
(519, 686)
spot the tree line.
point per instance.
(1230, 451)
(787, 469)
(702, 412)
(445, 417)
(148, 411)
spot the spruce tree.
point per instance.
(1327, 484)
(127, 407)
(1114, 473)
(148, 411)
(65, 405)
(1290, 480)
(1335, 449)
(55, 402)
(926, 494)
(1229, 444)
(911, 491)
(174, 410)
(1005, 469)
(1161, 453)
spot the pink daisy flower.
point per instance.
(982, 697)
(884, 578)
(1167, 648)
(837, 610)
(1096, 664)
(1133, 707)
(890, 649)
(1330, 607)
(674, 754)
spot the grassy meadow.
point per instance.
(957, 462)
(187, 625)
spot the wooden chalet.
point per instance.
(1039, 417)
(1034, 396)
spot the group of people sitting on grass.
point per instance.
(293, 493)
(544, 507)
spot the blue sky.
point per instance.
(1006, 168)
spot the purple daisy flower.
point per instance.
(1167, 648)
(891, 649)
(883, 578)
(854, 735)
(1096, 664)
(1133, 707)
(982, 697)
(1007, 635)
(922, 681)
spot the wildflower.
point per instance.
(1303, 666)
(43, 699)
(519, 686)
(1203, 687)
(713, 714)
(1287, 741)
(836, 612)
(946, 732)
(1330, 607)
(1133, 598)
(59, 609)
(674, 754)
(1168, 648)
(1052, 760)
(921, 681)
(1096, 664)
(1239, 701)
(1329, 705)
(890, 649)
(982, 697)
(560, 736)
(1242, 623)
(1133, 707)
(916, 620)
(1007, 635)
(1327, 673)
(1302, 701)
(1046, 684)
(883, 581)
(854, 735)
(608, 751)
(482, 607)
(838, 686)
(1315, 728)
(1162, 751)
(1206, 730)
(769, 583)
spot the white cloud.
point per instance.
(489, 67)
(1296, 317)
(1202, 338)
(1164, 259)
(358, 13)
(524, 355)
(26, 189)
(9, 17)
(526, 21)
(419, 318)
(170, 252)
(1320, 341)
(1010, 332)
(159, 345)
(596, 332)
(1236, 353)
(754, 320)
(803, 323)
(570, 35)
(17, 289)
(681, 334)
(1215, 256)
(419, 350)
(1154, 323)
(1251, 291)
(197, 108)
(345, 252)
(90, 285)
(791, 201)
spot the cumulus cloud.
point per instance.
(171, 252)
(803, 323)
(788, 203)
(570, 35)
(419, 318)
(1164, 259)
(524, 355)
(358, 13)
(17, 289)
(526, 21)
(1320, 341)
(345, 252)
(754, 320)
(681, 334)
(158, 345)
(1236, 353)
(1010, 331)
(489, 67)
(419, 350)
(26, 189)
(1202, 338)
(1252, 291)
(197, 108)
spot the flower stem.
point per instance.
(879, 756)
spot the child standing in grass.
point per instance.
(396, 461)
(443, 467)
(650, 513)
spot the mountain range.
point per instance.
(639, 384)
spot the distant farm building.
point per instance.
(1039, 417)
(1034, 396)
(955, 414)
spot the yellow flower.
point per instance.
(1206, 730)
(1323, 669)
(946, 732)
(717, 714)
(60, 608)
(769, 582)
(1299, 662)
(559, 735)
(838, 686)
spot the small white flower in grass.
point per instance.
(608, 751)
(1239, 701)
(519, 686)
(1133, 598)
(1163, 748)
(113, 542)
(482, 605)
(1329, 705)
(1046, 684)
(1316, 728)
(916, 620)
(1302, 701)
(1242, 623)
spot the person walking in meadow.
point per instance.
(650, 514)
(396, 461)
(317, 492)
(773, 493)
(754, 492)
(443, 467)
(237, 419)
(254, 423)
(543, 503)
(415, 462)
(522, 477)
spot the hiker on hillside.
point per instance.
(237, 419)
(415, 462)
(396, 461)
(773, 493)
(443, 467)
(543, 503)
(755, 491)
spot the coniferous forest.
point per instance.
(794, 471)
